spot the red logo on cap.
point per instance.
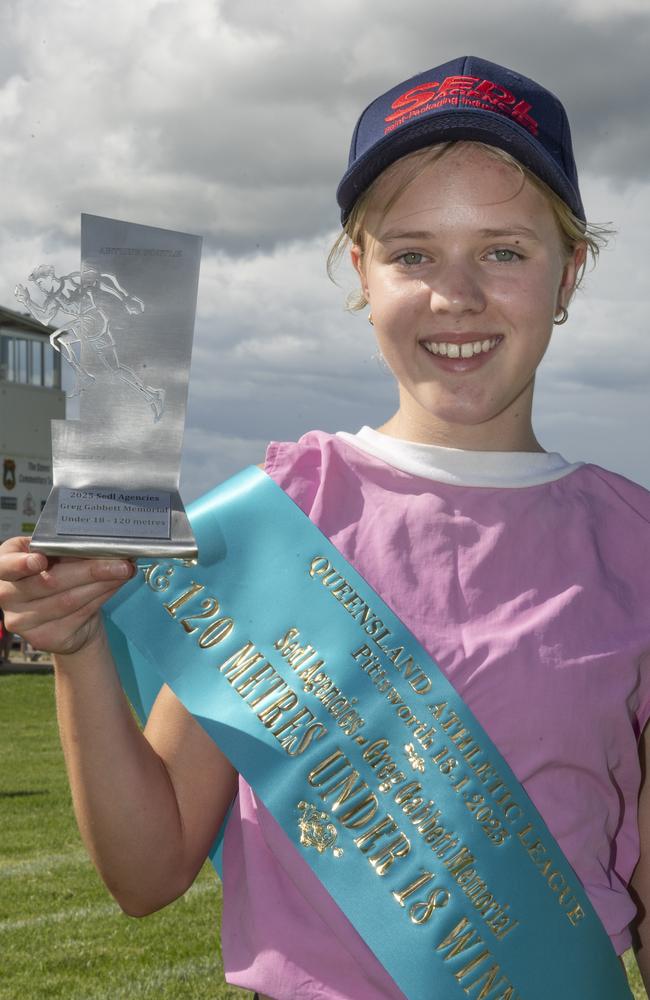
(460, 91)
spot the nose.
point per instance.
(456, 289)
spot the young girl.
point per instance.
(525, 576)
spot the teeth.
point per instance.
(467, 350)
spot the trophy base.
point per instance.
(104, 522)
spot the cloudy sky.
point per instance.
(232, 118)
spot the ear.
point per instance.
(356, 256)
(570, 274)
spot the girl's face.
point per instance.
(464, 275)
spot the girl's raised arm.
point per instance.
(148, 804)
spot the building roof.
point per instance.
(23, 321)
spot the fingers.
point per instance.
(64, 606)
(49, 600)
(26, 576)
(16, 561)
(68, 635)
(66, 574)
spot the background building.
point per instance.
(30, 396)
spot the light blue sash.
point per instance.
(361, 749)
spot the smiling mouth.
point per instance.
(468, 350)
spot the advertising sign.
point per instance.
(24, 487)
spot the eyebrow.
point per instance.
(405, 234)
(392, 235)
(510, 231)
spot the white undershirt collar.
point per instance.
(502, 469)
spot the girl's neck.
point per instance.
(490, 436)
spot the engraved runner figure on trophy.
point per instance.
(93, 301)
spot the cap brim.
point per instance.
(478, 126)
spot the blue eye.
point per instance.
(505, 256)
(411, 258)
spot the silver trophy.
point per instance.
(124, 323)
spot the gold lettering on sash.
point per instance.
(269, 716)
(489, 981)
(421, 912)
(293, 722)
(156, 576)
(418, 883)
(460, 939)
(384, 858)
(173, 606)
(576, 914)
(255, 678)
(554, 879)
(237, 664)
(277, 684)
(463, 939)
(320, 568)
(319, 770)
(383, 827)
(472, 964)
(360, 813)
(345, 788)
(459, 861)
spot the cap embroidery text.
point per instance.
(456, 90)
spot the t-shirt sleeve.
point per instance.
(296, 467)
(630, 509)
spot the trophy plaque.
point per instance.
(124, 323)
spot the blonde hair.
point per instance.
(573, 231)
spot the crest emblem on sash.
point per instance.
(414, 759)
(9, 474)
(317, 829)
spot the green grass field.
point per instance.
(61, 936)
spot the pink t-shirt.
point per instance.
(535, 602)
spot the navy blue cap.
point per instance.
(472, 99)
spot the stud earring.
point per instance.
(564, 315)
(370, 319)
